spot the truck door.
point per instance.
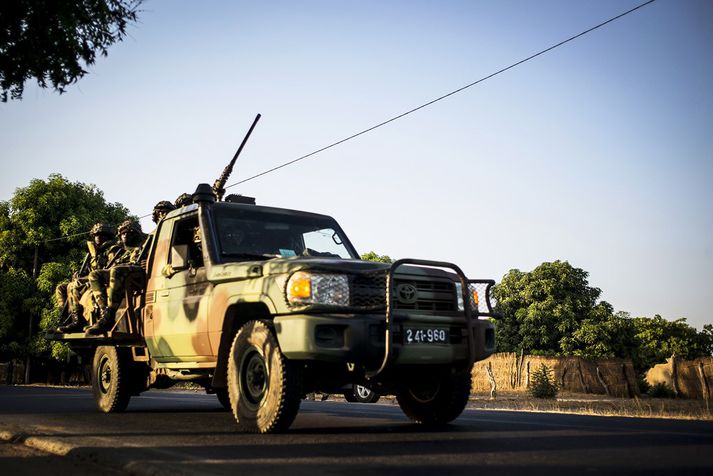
(156, 282)
(180, 326)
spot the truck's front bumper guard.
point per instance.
(470, 314)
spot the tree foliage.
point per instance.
(372, 256)
(16, 289)
(54, 41)
(656, 339)
(49, 209)
(542, 308)
(553, 310)
(54, 209)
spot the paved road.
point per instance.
(185, 432)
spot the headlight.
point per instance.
(472, 293)
(312, 288)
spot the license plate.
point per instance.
(426, 335)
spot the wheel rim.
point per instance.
(363, 392)
(104, 376)
(253, 377)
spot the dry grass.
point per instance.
(585, 404)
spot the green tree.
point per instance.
(16, 290)
(659, 338)
(553, 310)
(54, 41)
(706, 339)
(372, 256)
(50, 217)
(613, 335)
(543, 308)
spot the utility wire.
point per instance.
(67, 237)
(410, 111)
(440, 98)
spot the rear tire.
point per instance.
(111, 379)
(264, 387)
(435, 400)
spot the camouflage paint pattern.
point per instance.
(185, 309)
(185, 305)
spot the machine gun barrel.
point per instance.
(219, 185)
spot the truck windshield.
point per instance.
(244, 235)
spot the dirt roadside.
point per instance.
(18, 459)
(601, 405)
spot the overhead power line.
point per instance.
(440, 98)
(68, 237)
(411, 111)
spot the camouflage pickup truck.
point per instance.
(263, 305)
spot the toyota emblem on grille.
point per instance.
(406, 293)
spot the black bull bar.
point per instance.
(471, 315)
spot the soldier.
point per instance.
(183, 200)
(101, 251)
(161, 209)
(108, 285)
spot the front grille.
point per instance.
(369, 291)
(431, 295)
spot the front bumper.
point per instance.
(360, 339)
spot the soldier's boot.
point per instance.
(75, 324)
(104, 324)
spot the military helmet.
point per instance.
(129, 226)
(161, 208)
(183, 200)
(104, 229)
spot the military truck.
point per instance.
(263, 305)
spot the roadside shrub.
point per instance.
(661, 390)
(542, 383)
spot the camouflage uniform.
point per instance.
(70, 293)
(101, 256)
(108, 285)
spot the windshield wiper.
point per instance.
(249, 256)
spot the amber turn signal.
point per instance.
(300, 287)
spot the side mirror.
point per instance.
(179, 257)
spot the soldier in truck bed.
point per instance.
(183, 200)
(161, 209)
(102, 249)
(108, 285)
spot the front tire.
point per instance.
(264, 386)
(435, 400)
(111, 379)
(361, 394)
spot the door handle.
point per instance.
(164, 293)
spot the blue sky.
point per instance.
(599, 153)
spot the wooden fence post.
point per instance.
(601, 380)
(491, 379)
(705, 389)
(674, 374)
